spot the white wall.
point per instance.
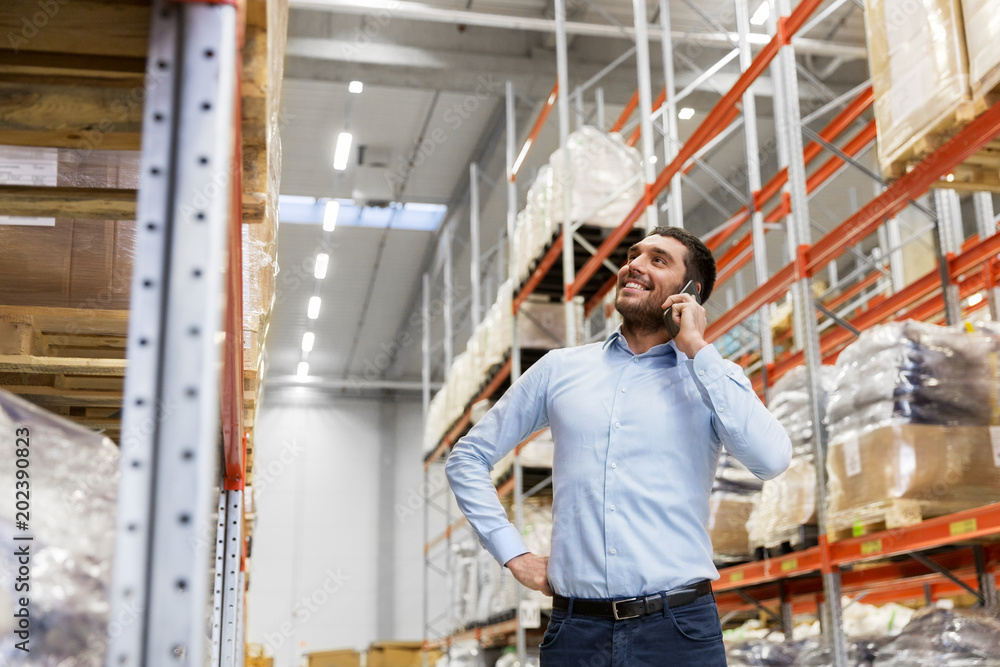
(332, 565)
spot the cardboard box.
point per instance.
(727, 524)
(920, 73)
(396, 654)
(340, 658)
(903, 473)
(982, 25)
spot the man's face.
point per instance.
(654, 270)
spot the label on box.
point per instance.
(995, 441)
(852, 457)
(531, 615)
(735, 576)
(21, 165)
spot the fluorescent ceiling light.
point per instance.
(330, 213)
(520, 158)
(343, 151)
(303, 369)
(974, 299)
(313, 312)
(308, 338)
(355, 87)
(322, 262)
(760, 16)
(685, 113)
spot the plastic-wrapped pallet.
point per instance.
(729, 508)
(911, 426)
(74, 487)
(945, 638)
(604, 178)
(789, 500)
(982, 25)
(537, 533)
(541, 324)
(917, 57)
(464, 582)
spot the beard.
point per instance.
(642, 315)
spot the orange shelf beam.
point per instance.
(536, 129)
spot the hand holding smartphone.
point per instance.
(668, 314)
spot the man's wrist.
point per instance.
(693, 348)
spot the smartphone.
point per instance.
(668, 315)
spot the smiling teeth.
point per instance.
(634, 285)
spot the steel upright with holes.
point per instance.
(170, 441)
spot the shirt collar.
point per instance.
(618, 339)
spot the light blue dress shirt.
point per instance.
(637, 441)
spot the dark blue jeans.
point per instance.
(688, 635)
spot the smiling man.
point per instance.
(638, 422)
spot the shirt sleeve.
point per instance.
(519, 413)
(744, 425)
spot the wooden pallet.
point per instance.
(893, 513)
(980, 172)
(802, 538)
(70, 361)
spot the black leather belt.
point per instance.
(634, 607)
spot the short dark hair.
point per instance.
(699, 263)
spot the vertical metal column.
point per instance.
(477, 314)
(986, 227)
(895, 241)
(949, 240)
(645, 103)
(752, 149)
(568, 263)
(671, 141)
(425, 351)
(229, 648)
(171, 420)
(599, 100)
(581, 118)
(787, 114)
(515, 348)
(448, 293)
(220, 565)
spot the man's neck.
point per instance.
(640, 341)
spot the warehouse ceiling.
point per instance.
(432, 103)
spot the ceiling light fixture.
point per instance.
(322, 262)
(303, 369)
(760, 16)
(343, 151)
(355, 87)
(974, 300)
(330, 215)
(313, 311)
(520, 158)
(308, 338)
(685, 113)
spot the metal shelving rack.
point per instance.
(188, 272)
(816, 578)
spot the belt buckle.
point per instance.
(614, 609)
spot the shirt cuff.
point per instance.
(709, 365)
(506, 543)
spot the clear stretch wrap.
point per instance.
(537, 534)
(982, 25)
(727, 525)
(920, 74)
(604, 178)
(789, 500)
(260, 267)
(912, 419)
(73, 474)
(945, 638)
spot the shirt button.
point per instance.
(701, 372)
(624, 390)
(614, 465)
(722, 409)
(635, 360)
(612, 508)
(617, 425)
(613, 551)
